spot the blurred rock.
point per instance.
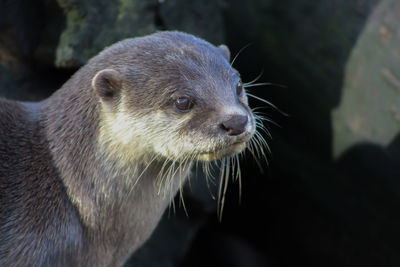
(303, 45)
(93, 25)
(20, 25)
(59, 36)
(370, 107)
(199, 17)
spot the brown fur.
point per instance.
(72, 197)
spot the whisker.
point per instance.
(187, 159)
(261, 127)
(247, 85)
(161, 176)
(240, 51)
(221, 179)
(264, 142)
(208, 178)
(260, 119)
(255, 157)
(261, 116)
(255, 79)
(144, 170)
(268, 103)
(239, 178)
(225, 181)
(254, 110)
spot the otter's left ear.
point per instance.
(225, 52)
(107, 84)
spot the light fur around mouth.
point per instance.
(226, 152)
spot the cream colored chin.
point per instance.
(229, 151)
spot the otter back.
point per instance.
(38, 224)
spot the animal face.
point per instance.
(181, 101)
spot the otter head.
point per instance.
(171, 95)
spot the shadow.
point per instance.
(306, 210)
(29, 35)
(348, 218)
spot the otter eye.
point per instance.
(183, 104)
(239, 88)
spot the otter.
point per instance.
(86, 174)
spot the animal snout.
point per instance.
(235, 125)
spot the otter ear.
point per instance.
(225, 52)
(107, 84)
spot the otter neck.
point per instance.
(123, 200)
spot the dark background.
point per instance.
(330, 193)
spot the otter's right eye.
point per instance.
(183, 104)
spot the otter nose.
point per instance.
(235, 125)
